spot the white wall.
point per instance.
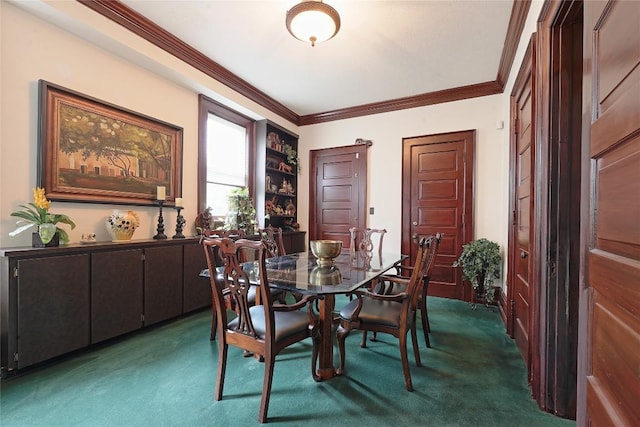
(385, 159)
(68, 44)
(33, 49)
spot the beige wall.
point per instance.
(69, 45)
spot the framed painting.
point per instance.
(93, 151)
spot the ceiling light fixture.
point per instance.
(313, 21)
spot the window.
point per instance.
(225, 151)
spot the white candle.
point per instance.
(179, 202)
(161, 193)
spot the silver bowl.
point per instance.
(325, 250)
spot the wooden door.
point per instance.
(610, 304)
(437, 197)
(522, 227)
(337, 193)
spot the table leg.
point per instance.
(326, 370)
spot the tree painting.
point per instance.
(140, 157)
(117, 142)
(98, 152)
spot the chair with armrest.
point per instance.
(362, 244)
(390, 314)
(254, 296)
(404, 272)
(264, 329)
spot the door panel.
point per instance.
(521, 292)
(612, 310)
(337, 192)
(438, 197)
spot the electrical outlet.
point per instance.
(371, 211)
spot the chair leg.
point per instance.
(405, 361)
(414, 341)
(363, 344)
(214, 323)
(426, 329)
(341, 335)
(266, 388)
(222, 367)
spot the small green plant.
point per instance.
(292, 156)
(481, 263)
(37, 214)
(242, 214)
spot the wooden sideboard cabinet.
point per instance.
(294, 241)
(57, 300)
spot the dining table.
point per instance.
(301, 273)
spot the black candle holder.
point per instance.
(179, 224)
(160, 235)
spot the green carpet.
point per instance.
(472, 376)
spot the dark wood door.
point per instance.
(610, 304)
(53, 307)
(437, 195)
(522, 227)
(337, 193)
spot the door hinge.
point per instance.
(142, 257)
(15, 357)
(142, 317)
(15, 271)
(357, 156)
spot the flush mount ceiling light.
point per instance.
(313, 21)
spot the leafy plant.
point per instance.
(37, 213)
(481, 261)
(242, 214)
(292, 156)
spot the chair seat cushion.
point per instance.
(253, 289)
(374, 311)
(287, 322)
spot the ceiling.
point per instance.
(384, 50)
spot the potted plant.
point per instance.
(242, 214)
(292, 156)
(37, 214)
(481, 263)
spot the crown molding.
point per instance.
(439, 97)
(148, 30)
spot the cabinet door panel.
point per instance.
(197, 292)
(116, 293)
(162, 283)
(294, 242)
(53, 307)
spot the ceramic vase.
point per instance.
(121, 225)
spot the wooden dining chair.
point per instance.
(362, 244)
(264, 329)
(272, 237)
(364, 239)
(254, 295)
(390, 314)
(404, 273)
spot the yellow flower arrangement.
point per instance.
(37, 213)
